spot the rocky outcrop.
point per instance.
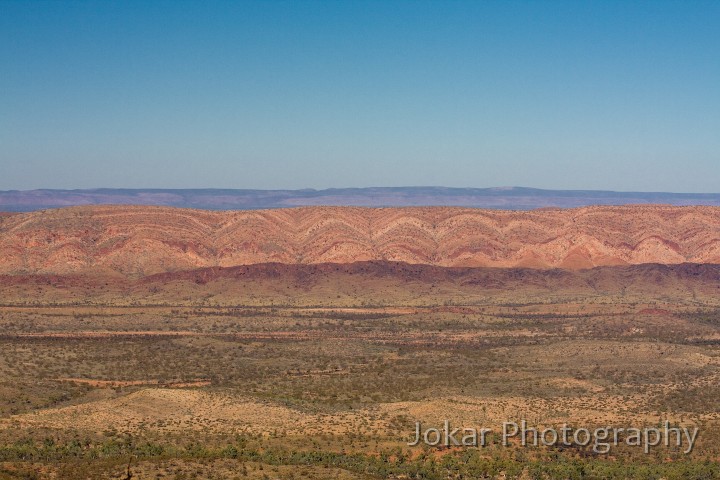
(140, 241)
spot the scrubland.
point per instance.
(286, 375)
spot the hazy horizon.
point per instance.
(370, 187)
(613, 96)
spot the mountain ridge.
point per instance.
(140, 240)
(513, 198)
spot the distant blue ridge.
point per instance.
(506, 198)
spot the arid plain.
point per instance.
(153, 342)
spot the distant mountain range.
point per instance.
(509, 198)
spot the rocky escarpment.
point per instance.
(140, 241)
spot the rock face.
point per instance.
(141, 241)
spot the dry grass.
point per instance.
(347, 377)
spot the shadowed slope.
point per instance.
(361, 284)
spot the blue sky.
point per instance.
(609, 95)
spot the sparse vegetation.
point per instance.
(330, 387)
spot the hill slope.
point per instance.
(148, 240)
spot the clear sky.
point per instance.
(613, 95)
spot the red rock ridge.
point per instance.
(141, 240)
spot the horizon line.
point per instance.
(310, 189)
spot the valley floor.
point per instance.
(278, 377)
